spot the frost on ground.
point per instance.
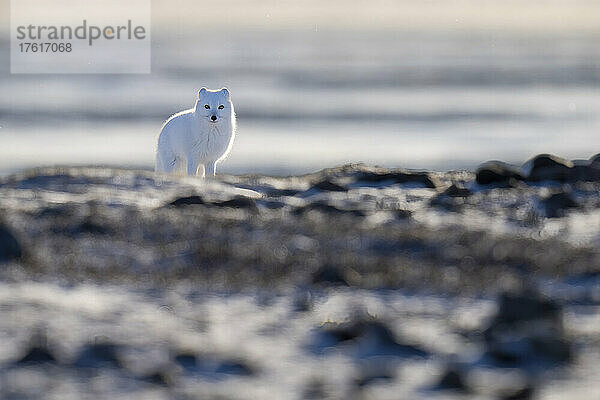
(353, 282)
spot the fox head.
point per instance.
(214, 105)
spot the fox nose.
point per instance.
(213, 118)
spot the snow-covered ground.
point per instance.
(353, 282)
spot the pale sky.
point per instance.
(420, 15)
(518, 16)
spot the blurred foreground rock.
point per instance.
(527, 332)
(10, 249)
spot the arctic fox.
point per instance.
(195, 140)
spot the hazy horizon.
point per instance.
(431, 85)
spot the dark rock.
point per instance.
(585, 171)
(457, 191)
(271, 204)
(556, 204)
(327, 209)
(527, 331)
(524, 393)
(329, 275)
(233, 367)
(38, 351)
(37, 355)
(553, 348)
(446, 203)
(498, 172)
(273, 192)
(186, 201)
(238, 202)
(98, 355)
(581, 278)
(327, 186)
(452, 199)
(421, 178)
(516, 308)
(370, 378)
(452, 379)
(378, 340)
(530, 349)
(93, 226)
(186, 360)
(403, 214)
(368, 337)
(547, 167)
(303, 301)
(60, 210)
(161, 378)
(315, 390)
(508, 353)
(10, 249)
(595, 159)
(212, 367)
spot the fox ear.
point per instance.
(225, 91)
(201, 91)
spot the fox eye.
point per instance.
(207, 106)
(221, 107)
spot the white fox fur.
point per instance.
(195, 140)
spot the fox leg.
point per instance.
(180, 166)
(211, 168)
(201, 171)
(165, 162)
(192, 166)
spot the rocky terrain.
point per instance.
(354, 282)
